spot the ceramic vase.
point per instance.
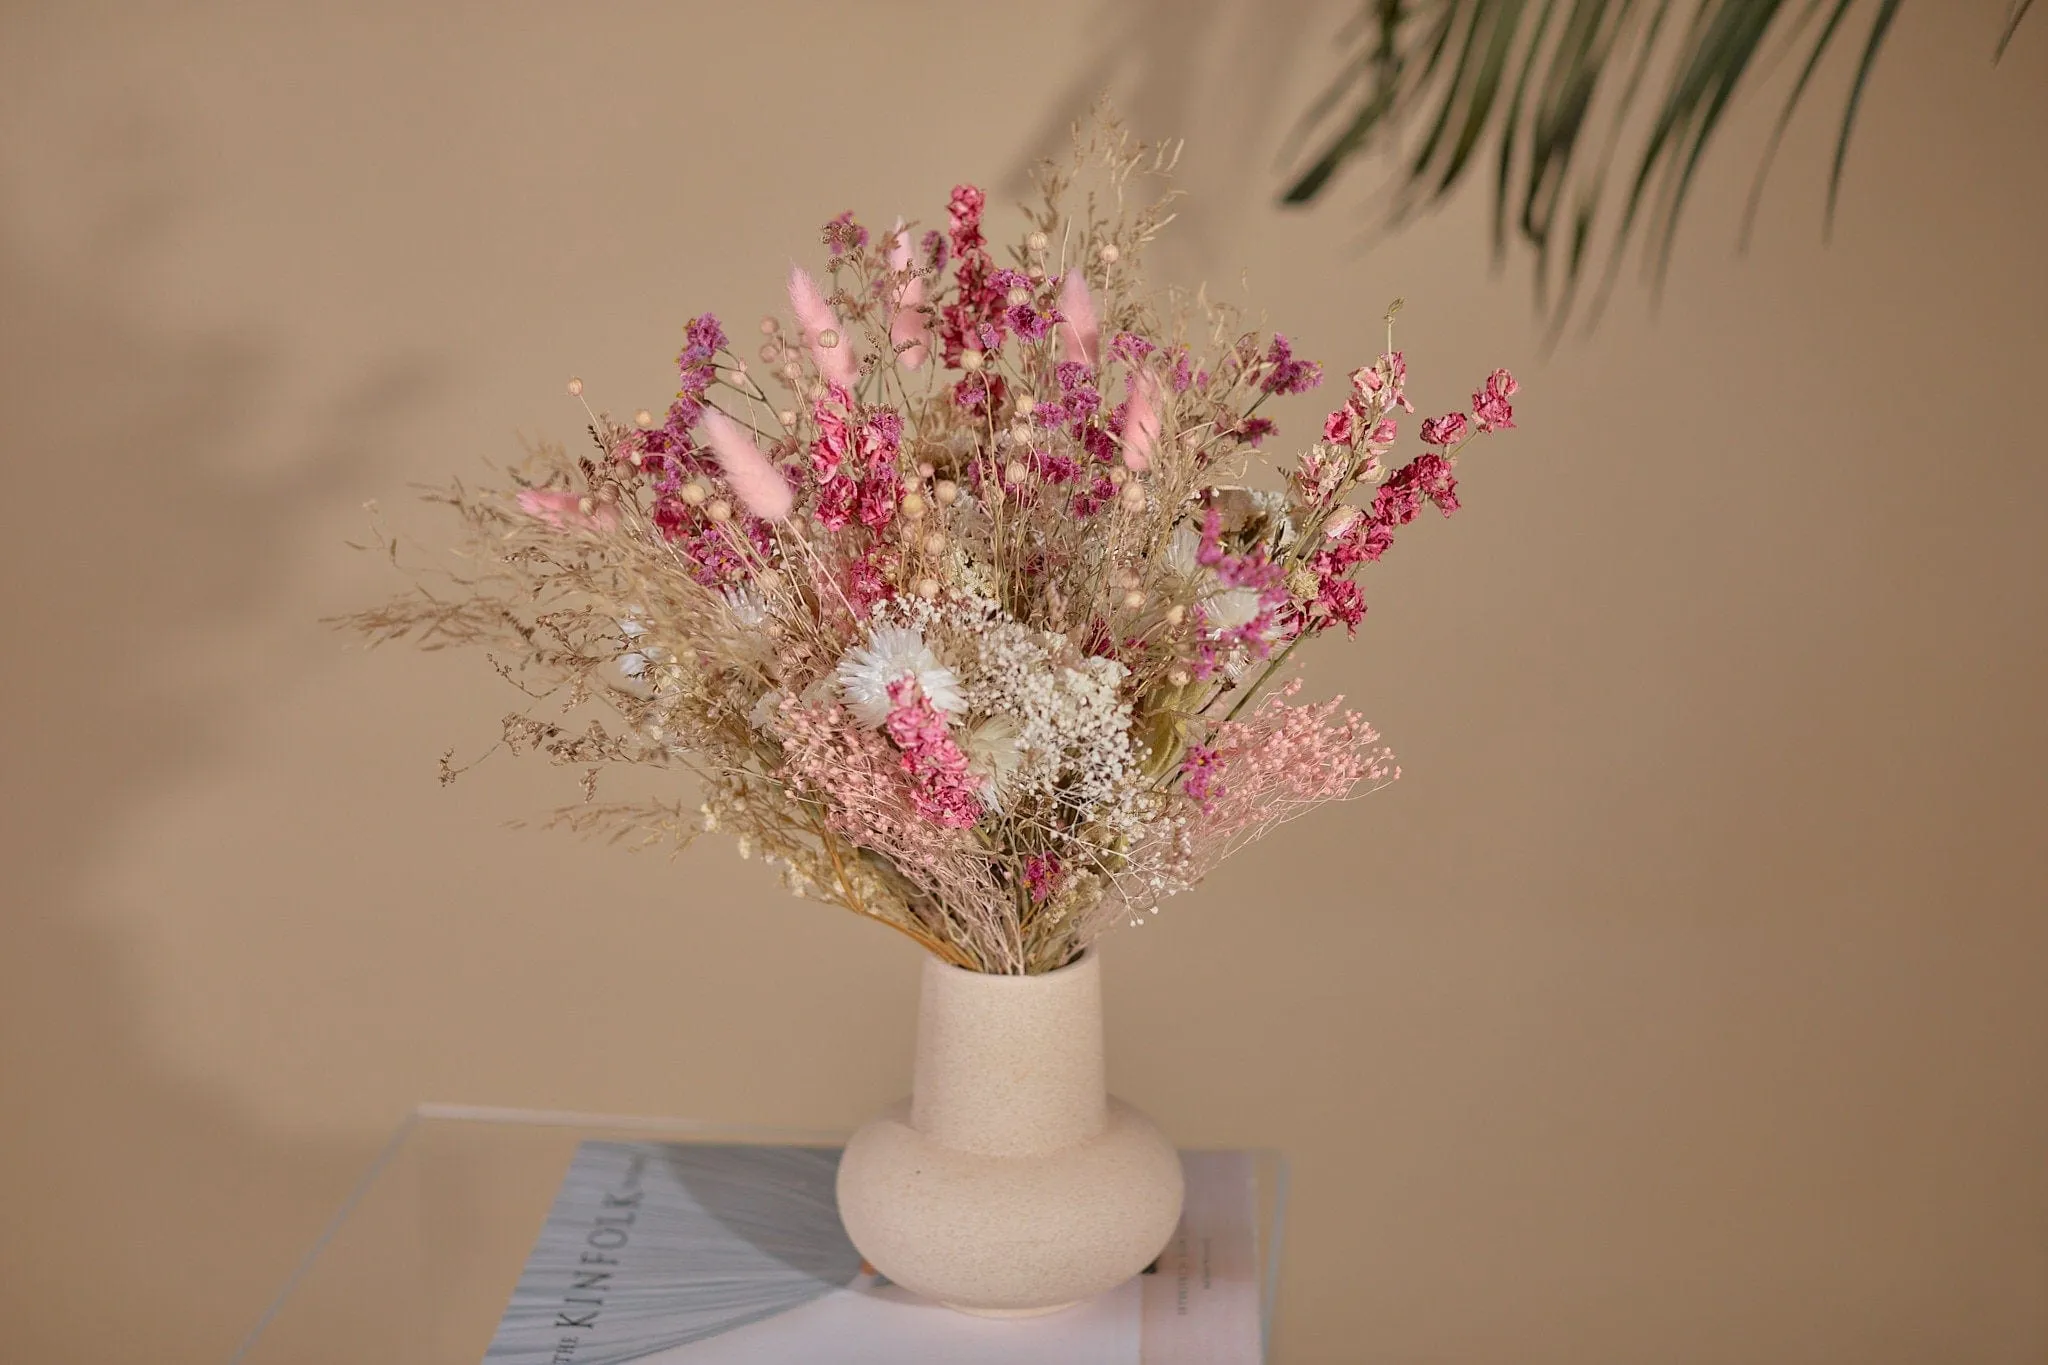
(1010, 1183)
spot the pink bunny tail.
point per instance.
(908, 322)
(756, 482)
(565, 509)
(815, 317)
(1141, 422)
(1080, 330)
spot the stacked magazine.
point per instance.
(687, 1254)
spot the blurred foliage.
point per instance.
(1544, 88)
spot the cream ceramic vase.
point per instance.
(1010, 1183)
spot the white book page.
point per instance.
(1201, 1306)
(886, 1325)
(732, 1255)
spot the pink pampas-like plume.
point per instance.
(565, 509)
(816, 318)
(756, 482)
(1080, 330)
(909, 322)
(1141, 421)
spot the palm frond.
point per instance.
(1552, 83)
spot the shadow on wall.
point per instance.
(122, 500)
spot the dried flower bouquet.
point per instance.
(956, 600)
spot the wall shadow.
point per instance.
(141, 1214)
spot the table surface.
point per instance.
(417, 1265)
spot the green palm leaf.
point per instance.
(1551, 83)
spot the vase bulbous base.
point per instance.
(1010, 1236)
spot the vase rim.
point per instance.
(1086, 957)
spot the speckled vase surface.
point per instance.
(1010, 1183)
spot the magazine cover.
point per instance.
(688, 1254)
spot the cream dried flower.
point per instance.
(891, 654)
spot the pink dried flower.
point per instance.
(1042, 877)
(943, 789)
(1490, 405)
(1198, 776)
(1284, 373)
(1445, 430)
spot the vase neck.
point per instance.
(1010, 1065)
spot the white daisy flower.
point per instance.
(892, 654)
(747, 607)
(1229, 608)
(1222, 608)
(995, 752)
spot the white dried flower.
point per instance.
(892, 654)
(748, 608)
(1229, 608)
(994, 754)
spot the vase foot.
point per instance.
(1011, 1312)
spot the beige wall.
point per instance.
(1684, 1003)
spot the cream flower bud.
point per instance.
(946, 491)
(644, 417)
(1037, 241)
(719, 510)
(575, 388)
(1109, 254)
(694, 493)
(913, 505)
(971, 360)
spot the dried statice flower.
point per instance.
(955, 600)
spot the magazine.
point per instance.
(711, 1254)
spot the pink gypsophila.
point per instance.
(1277, 762)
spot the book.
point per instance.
(720, 1254)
